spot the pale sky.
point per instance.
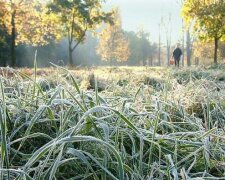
(147, 14)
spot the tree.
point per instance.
(145, 45)
(75, 18)
(4, 46)
(188, 47)
(159, 46)
(202, 51)
(153, 52)
(134, 46)
(208, 17)
(26, 23)
(168, 31)
(222, 51)
(4, 38)
(181, 3)
(86, 53)
(113, 45)
(141, 48)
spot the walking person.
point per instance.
(177, 53)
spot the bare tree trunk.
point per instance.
(143, 61)
(70, 56)
(4, 62)
(13, 40)
(216, 41)
(188, 48)
(159, 55)
(168, 29)
(168, 46)
(151, 61)
(183, 34)
(73, 47)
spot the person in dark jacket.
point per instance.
(177, 53)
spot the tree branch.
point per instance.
(72, 28)
(80, 39)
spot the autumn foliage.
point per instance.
(208, 19)
(113, 45)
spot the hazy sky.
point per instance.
(147, 14)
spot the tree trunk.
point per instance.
(168, 52)
(73, 48)
(183, 34)
(159, 55)
(13, 40)
(70, 51)
(70, 56)
(168, 39)
(216, 41)
(4, 62)
(151, 61)
(144, 61)
(188, 48)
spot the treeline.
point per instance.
(81, 46)
(142, 52)
(81, 33)
(31, 24)
(206, 19)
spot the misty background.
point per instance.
(147, 14)
(136, 15)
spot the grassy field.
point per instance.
(112, 123)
